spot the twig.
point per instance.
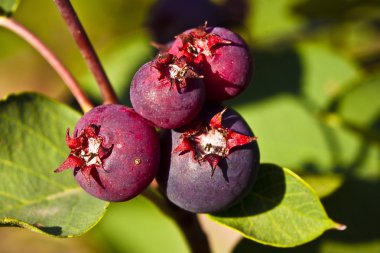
(88, 52)
(51, 58)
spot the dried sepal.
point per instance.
(174, 71)
(87, 151)
(199, 43)
(211, 142)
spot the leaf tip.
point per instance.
(339, 226)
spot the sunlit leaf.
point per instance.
(32, 138)
(288, 134)
(281, 210)
(361, 105)
(324, 184)
(325, 74)
(282, 19)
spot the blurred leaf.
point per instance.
(324, 73)
(287, 65)
(361, 105)
(272, 19)
(353, 153)
(7, 7)
(369, 168)
(32, 137)
(346, 247)
(281, 210)
(139, 226)
(288, 134)
(319, 246)
(324, 184)
(121, 62)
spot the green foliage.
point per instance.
(283, 202)
(139, 226)
(31, 194)
(7, 7)
(313, 103)
(282, 19)
(325, 74)
(360, 106)
(285, 123)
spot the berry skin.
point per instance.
(114, 153)
(220, 55)
(210, 165)
(167, 92)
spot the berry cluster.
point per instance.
(208, 157)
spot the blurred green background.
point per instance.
(314, 103)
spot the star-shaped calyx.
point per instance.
(199, 43)
(86, 151)
(175, 71)
(211, 142)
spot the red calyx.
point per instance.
(211, 142)
(86, 151)
(199, 43)
(175, 71)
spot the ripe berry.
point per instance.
(167, 92)
(212, 164)
(114, 153)
(220, 55)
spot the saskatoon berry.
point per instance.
(114, 153)
(220, 55)
(211, 164)
(167, 92)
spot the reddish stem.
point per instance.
(51, 58)
(88, 52)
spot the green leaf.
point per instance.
(361, 105)
(325, 74)
(319, 246)
(357, 203)
(353, 154)
(7, 7)
(272, 19)
(288, 134)
(32, 145)
(281, 210)
(324, 184)
(139, 226)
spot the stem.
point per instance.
(51, 58)
(187, 221)
(88, 52)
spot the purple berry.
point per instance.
(212, 164)
(167, 92)
(220, 55)
(114, 153)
